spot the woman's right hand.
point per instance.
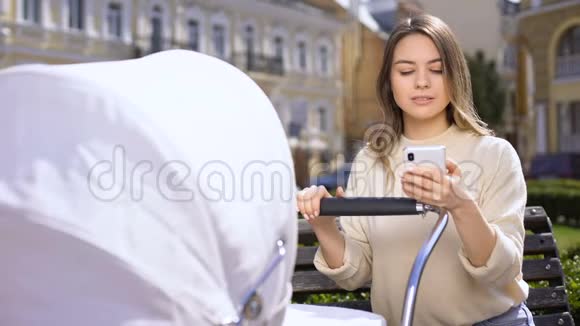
(308, 201)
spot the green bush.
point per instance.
(571, 266)
(554, 183)
(559, 197)
(334, 297)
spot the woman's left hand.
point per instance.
(432, 186)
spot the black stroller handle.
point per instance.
(365, 206)
(378, 206)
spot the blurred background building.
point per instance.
(292, 49)
(548, 85)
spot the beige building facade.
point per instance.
(63, 31)
(292, 49)
(548, 40)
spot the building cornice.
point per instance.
(546, 9)
(291, 15)
(55, 54)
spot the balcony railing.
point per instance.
(248, 61)
(568, 66)
(259, 63)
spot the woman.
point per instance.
(474, 274)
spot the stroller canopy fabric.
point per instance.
(141, 192)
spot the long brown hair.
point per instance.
(460, 110)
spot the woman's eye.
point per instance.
(405, 73)
(437, 71)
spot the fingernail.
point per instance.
(315, 213)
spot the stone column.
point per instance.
(564, 126)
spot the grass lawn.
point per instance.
(566, 237)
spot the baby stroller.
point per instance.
(127, 198)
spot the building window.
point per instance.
(249, 39)
(324, 60)
(249, 44)
(115, 19)
(219, 40)
(302, 55)
(323, 119)
(278, 55)
(575, 118)
(298, 118)
(509, 56)
(157, 29)
(76, 14)
(193, 33)
(294, 129)
(279, 48)
(31, 11)
(568, 58)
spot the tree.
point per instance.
(488, 89)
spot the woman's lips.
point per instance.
(422, 100)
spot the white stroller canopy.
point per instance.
(141, 192)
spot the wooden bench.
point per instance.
(542, 269)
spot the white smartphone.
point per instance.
(433, 155)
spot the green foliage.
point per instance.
(559, 197)
(571, 266)
(335, 297)
(488, 89)
(539, 284)
(566, 236)
(569, 184)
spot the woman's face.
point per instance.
(417, 80)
